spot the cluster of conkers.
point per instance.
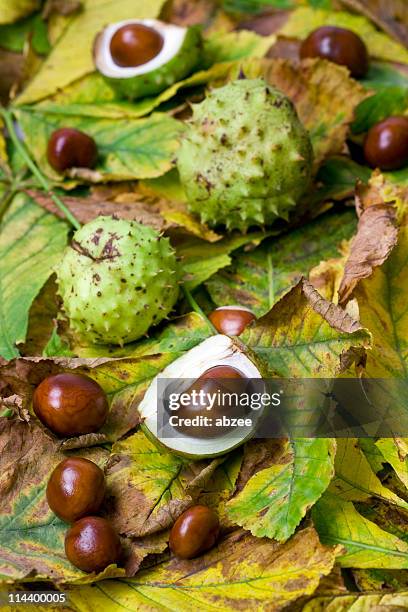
(75, 493)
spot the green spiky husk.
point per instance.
(116, 280)
(158, 80)
(246, 158)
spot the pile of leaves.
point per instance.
(308, 524)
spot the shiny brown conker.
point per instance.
(76, 488)
(70, 148)
(386, 144)
(338, 45)
(231, 320)
(219, 379)
(194, 532)
(91, 544)
(134, 45)
(70, 404)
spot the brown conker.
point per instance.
(135, 44)
(231, 320)
(70, 404)
(211, 382)
(386, 144)
(91, 544)
(70, 148)
(194, 532)
(338, 45)
(76, 488)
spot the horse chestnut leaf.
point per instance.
(70, 404)
(231, 320)
(70, 148)
(76, 488)
(91, 544)
(386, 144)
(135, 44)
(194, 532)
(338, 45)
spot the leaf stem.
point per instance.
(197, 308)
(8, 120)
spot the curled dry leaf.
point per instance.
(186, 13)
(61, 7)
(377, 234)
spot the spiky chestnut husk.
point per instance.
(116, 279)
(246, 158)
(174, 67)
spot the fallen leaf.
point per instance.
(242, 571)
(306, 336)
(377, 235)
(276, 498)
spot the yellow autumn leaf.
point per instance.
(304, 20)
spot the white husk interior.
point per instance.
(217, 350)
(173, 37)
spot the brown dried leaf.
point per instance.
(186, 13)
(61, 7)
(377, 234)
(389, 15)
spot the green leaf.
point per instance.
(275, 499)
(390, 101)
(127, 149)
(71, 58)
(395, 452)
(259, 278)
(355, 479)
(304, 20)
(242, 570)
(13, 37)
(13, 10)
(306, 336)
(31, 244)
(384, 74)
(337, 178)
(201, 260)
(366, 544)
(233, 46)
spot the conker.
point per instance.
(91, 544)
(231, 320)
(70, 148)
(194, 532)
(75, 489)
(135, 44)
(386, 144)
(70, 404)
(338, 45)
(219, 379)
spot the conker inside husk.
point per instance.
(231, 320)
(219, 379)
(135, 44)
(337, 45)
(70, 404)
(91, 544)
(76, 488)
(194, 532)
(70, 148)
(386, 144)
